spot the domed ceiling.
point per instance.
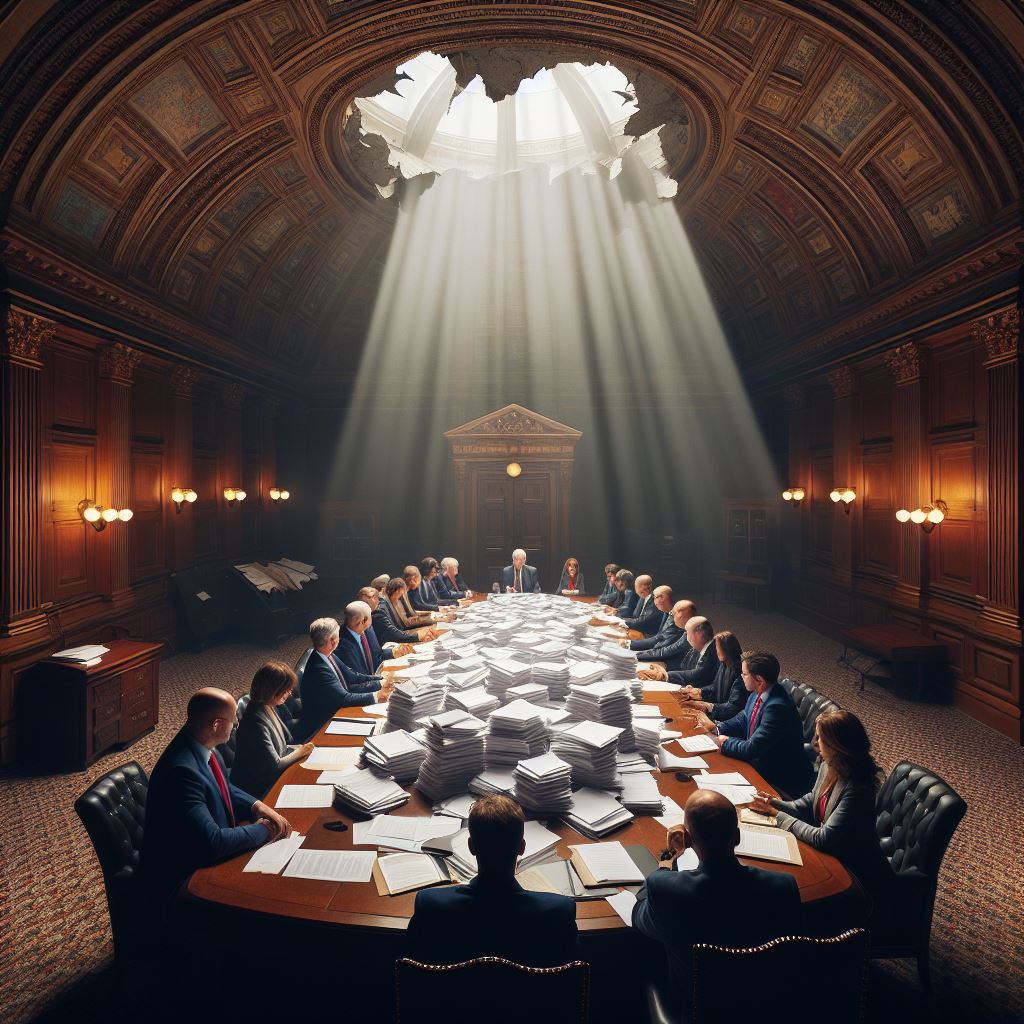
(197, 170)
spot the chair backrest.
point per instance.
(500, 989)
(810, 703)
(113, 811)
(917, 813)
(227, 748)
(291, 710)
(832, 978)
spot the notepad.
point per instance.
(332, 757)
(350, 727)
(699, 744)
(305, 796)
(605, 864)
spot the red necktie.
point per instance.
(222, 785)
(366, 653)
(753, 716)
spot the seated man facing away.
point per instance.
(610, 596)
(449, 581)
(493, 915)
(328, 683)
(721, 901)
(194, 816)
(519, 578)
(699, 664)
(669, 646)
(646, 617)
(386, 628)
(768, 732)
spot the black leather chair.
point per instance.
(811, 704)
(227, 748)
(832, 978)
(917, 814)
(113, 811)
(493, 989)
(291, 710)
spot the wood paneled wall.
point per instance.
(84, 418)
(933, 419)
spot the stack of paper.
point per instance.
(466, 661)
(635, 688)
(476, 701)
(622, 659)
(394, 832)
(640, 793)
(455, 753)
(370, 792)
(412, 701)
(395, 753)
(731, 785)
(468, 679)
(507, 673)
(515, 732)
(647, 735)
(586, 671)
(590, 748)
(540, 847)
(604, 702)
(555, 648)
(554, 675)
(669, 762)
(543, 784)
(595, 813)
(455, 806)
(532, 692)
(630, 761)
(494, 780)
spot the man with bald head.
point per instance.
(645, 617)
(720, 900)
(699, 664)
(194, 816)
(671, 645)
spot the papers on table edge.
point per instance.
(272, 858)
(331, 865)
(623, 903)
(304, 796)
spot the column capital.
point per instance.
(905, 362)
(234, 395)
(118, 362)
(183, 379)
(25, 337)
(843, 381)
(1000, 334)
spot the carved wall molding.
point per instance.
(1000, 334)
(183, 379)
(905, 363)
(795, 396)
(25, 337)
(843, 381)
(118, 362)
(234, 395)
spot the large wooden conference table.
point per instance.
(823, 881)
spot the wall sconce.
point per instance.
(233, 494)
(513, 469)
(845, 495)
(180, 495)
(794, 495)
(97, 516)
(279, 494)
(927, 517)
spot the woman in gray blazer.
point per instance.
(838, 815)
(263, 749)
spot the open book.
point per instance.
(407, 872)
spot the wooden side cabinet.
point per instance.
(75, 714)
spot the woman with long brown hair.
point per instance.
(571, 583)
(725, 695)
(838, 815)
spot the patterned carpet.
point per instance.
(55, 947)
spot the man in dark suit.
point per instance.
(449, 582)
(493, 915)
(519, 578)
(426, 597)
(610, 596)
(646, 617)
(661, 629)
(386, 629)
(624, 585)
(328, 683)
(698, 665)
(357, 646)
(768, 732)
(721, 901)
(194, 816)
(669, 646)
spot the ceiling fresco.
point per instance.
(197, 168)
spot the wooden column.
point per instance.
(24, 338)
(113, 467)
(906, 364)
(1000, 335)
(183, 379)
(843, 382)
(231, 466)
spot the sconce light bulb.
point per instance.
(109, 515)
(903, 516)
(275, 493)
(125, 514)
(229, 494)
(798, 494)
(835, 494)
(849, 494)
(936, 515)
(918, 516)
(91, 514)
(239, 495)
(190, 495)
(177, 495)
(285, 495)
(787, 495)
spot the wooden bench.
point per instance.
(754, 582)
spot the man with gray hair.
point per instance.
(699, 668)
(449, 581)
(358, 647)
(519, 578)
(645, 617)
(328, 683)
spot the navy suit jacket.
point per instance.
(776, 748)
(492, 918)
(645, 618)
(445, 588)
(728, 904)
(386, 629)
(351, 653)
(530, 583)
(187, 825)
(726, 692)
(669, 646)
(607, 594)
(425, 597)
(323, 692)
(629, 600)
(701, 672)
